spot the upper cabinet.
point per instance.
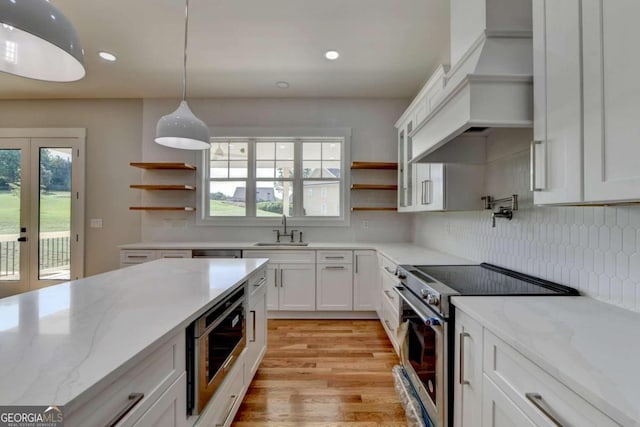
(585, 105)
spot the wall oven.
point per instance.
(214, 342)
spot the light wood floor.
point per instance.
(322, 373)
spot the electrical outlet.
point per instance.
(365, 223)
(95, 223)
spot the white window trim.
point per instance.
(344, 220)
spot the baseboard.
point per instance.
(347, 315)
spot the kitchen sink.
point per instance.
(281, 244)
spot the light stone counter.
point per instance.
(56, 343)
(590, 346)
(400, 253)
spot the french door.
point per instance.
(41, 208)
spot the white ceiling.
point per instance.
(240, 48)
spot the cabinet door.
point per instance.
(467, 385)
(611, 100)
(256, 333)
(170, 410)
(334, 287)
(272, 286)
(498, 410)
(366, 288)
(405, 170)
(434, 187)
(297, 290)
(557, 131)
(421, 188)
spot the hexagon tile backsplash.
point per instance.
(593, 249)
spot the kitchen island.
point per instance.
(65, 344)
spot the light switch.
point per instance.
(95, 223)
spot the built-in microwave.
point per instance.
(214, 342)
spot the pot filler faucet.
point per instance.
(284, 233)
(503, 211)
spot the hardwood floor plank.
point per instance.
(324, 373)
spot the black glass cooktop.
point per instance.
(488, 279)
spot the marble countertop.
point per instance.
(400, 253)
(590, 346)
(58, 342)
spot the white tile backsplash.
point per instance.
(593, 249)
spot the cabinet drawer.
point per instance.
(390, 321)
(388, 294)
(170, 410)
(386, 265)
(151, 376)
(257, 281)
(334, 257)
(278, 256)
(137, 256)
(225, 403)
(539, 395)
(174, 254)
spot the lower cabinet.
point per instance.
(497, 384)
(334, 281)
(170, 409)
(388, 307)
(256, 324)
(366, 288)
(130, 257)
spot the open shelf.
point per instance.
(163, 165)
(372, 208)
(162, 208)
(374, 187)
(163, 187)
(374, 165)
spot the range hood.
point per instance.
(490, 84)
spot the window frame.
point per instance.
(202, 189)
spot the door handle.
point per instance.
(461, 379)
(22, 239)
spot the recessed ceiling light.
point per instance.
(282, 84)
(332, 55)
(107, 56)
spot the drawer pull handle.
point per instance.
(260, 283)
(390, 271)
(390, 296)
(340, 267)
(462, 381)
(334, 257)
(234, 398)
(386, 322)
(253, 315)
(134, 399)
(138, 256)
(537, 401)
(226, 365)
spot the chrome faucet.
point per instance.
(284, 222)
(284, 233)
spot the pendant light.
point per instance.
(218, 153)
(37, 41)
(182, 129)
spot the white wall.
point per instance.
(594, 249)
(113, 140)
(373, 139)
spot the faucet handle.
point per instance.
(293, 233)
(277, 235)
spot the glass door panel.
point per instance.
(13, 217)
(54, 214)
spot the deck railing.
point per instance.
(54, 252)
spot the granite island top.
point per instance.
(400, 253)
(58, 342)
(590, 346)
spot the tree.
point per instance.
(9, 168)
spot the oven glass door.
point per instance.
(424, 356)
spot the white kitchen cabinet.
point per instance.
(467, 386)
(334, 282)
(170, 409)
(366, 289)
(291, 279)
(557, 131)
(174, 253)
(448, 187)
(611, 100)
(256, 323)
(585, 108)
(406, 174)
(500, 411)
(389, 301)
(130, 257)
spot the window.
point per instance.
(255, 180)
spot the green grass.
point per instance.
(223, 208)
(55, 212)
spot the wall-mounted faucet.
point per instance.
(503, 211)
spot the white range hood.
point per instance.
(491, 81)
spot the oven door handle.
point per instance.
(424, 313)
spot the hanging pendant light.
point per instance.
(218, 152)
(37, 41)
(182, 129)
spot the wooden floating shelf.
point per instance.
(162, 208)
(163, 165)
(374, 165)
(163, 187)
(374, 187)
(389, 209)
